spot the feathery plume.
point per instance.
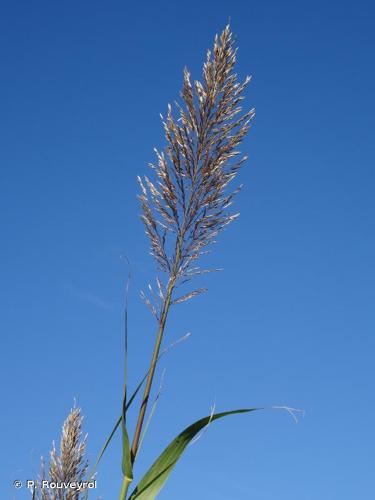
(186, 206)
(68, 466)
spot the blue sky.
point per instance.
(289, 321)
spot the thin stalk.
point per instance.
(150, 377)
(155, 354)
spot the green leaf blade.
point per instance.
(155, 478)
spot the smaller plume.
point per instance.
(67, 466)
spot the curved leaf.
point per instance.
(155, 478)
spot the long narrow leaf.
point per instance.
(133, 396)
(155, 478)
(115, 427)
(127, 466)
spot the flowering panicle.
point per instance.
(186, 206)
(68, 466)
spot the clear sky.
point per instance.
(291, 318)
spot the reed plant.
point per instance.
(186, 202)
(185, 205)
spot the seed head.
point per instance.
(186, 205)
